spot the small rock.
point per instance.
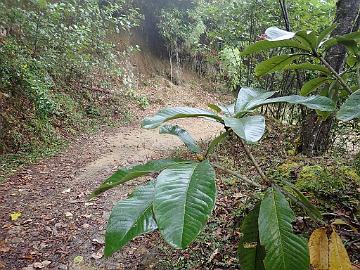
(62, 267)
(98, 255)
(38, 265)
(29, 267)
(66, 191)
(69, 215)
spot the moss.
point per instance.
(287, 169)
(317, 180)
(357, 163)
(350, 173)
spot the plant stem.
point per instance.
(241, 177)
(256, 164)
(338, 77)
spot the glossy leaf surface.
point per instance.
(284, 249)
(126, 174)
(130, 218)
(251, 253)
(183, 135)
(350, 109)
(313, 102)
(248, 98)
(312, 85)
(168, 114)
(184, 200)
(274, 63)
(249, 128)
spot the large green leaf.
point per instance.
(307, 37)
(249, 98)
(251, 253)
(350, 109)
(215, 142)
(184, 200)
(125, 174)
(183, 135)
(264, 45)
(344, 40)
(312, 85)
(130, 218)
(175, 113)
(299, 198)
(274, 63)
(228, 109)
(325, 33)
(308, 66)
(313, 102)
(250, 128)
(214, 107)
(284, 249)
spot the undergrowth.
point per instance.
(319, 178)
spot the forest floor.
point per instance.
(59, 228)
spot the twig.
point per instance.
(338, 77)
(256, 164)
(241, 177)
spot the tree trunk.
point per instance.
(316, 133)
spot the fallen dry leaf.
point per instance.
(15, 216)
(338, 257)
(3, 247)
(319, 249)
(78, 259)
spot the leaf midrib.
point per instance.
(278, 226)
(186, 199)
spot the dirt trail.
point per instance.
(58, 223)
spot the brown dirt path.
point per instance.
(58, 223)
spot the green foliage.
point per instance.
(185, 191)
(183, 135)
(251, 252)
(350, 108)
(130, 218)
(284, 249)
(211, 33)
(231, 66)
(274, 64)
(330, 185)
(322, 182)
(49, 46)
(189, 191)
(124, 175)
(313, 47)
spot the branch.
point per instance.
(256, 164)
(338, 77)
(241, 177)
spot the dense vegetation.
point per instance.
(296, 64)
(51, 51)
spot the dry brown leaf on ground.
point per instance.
(319, 249)
(338, 256)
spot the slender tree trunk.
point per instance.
(316, 133)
